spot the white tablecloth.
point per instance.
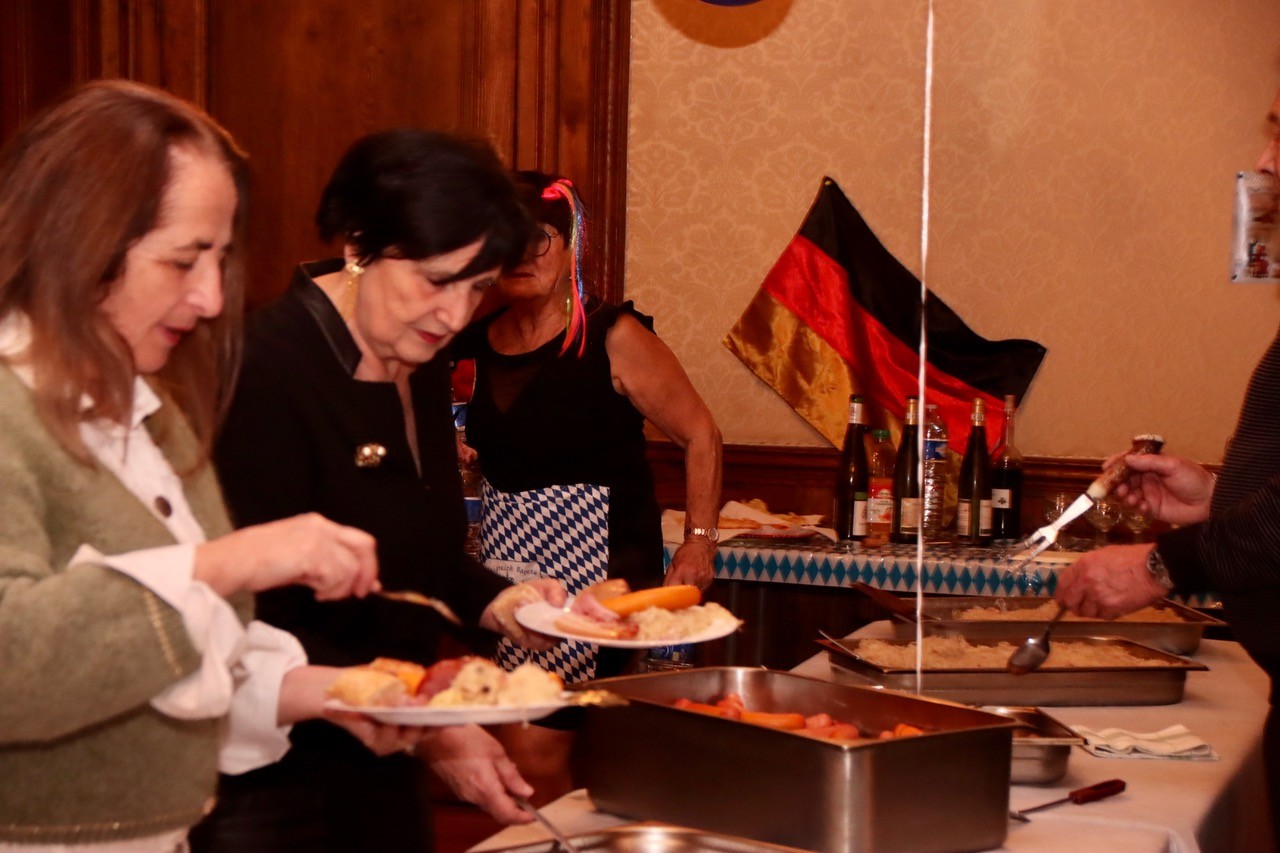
(1174, 806)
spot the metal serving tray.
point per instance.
(1041, 746)
(1049, 685)
(655, 838)
(947, 789)
(940, 612)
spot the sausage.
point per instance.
(675, 597)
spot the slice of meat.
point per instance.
(439, 676)
(585, 626)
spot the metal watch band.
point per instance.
(1159, 571)
(706, 532)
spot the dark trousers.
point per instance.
(1271, 742)
(294, 806)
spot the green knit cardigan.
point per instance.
(83, 755)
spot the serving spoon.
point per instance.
(1034, 650)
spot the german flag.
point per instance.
(839, 315)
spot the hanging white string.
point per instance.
(924, 339)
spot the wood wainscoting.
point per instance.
(801, 479)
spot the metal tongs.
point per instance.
(1035, 544)
(562, 841)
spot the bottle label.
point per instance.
(984, 519)
(669, 657)
(935, 449)
(962, 518)
(909, 516)
(1002, 498)
(855, 414)
(860, 517)
(880, 501)
(475, 509)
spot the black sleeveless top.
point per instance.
(561, 422)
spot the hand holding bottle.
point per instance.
(1166, 488)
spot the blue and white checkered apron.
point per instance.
(559, 532)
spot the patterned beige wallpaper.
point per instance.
(1083, 159)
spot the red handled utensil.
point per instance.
(1080, 796)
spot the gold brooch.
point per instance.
(370, 455)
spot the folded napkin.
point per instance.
(739, 519)
(1175, 742)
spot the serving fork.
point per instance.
(1034, 545)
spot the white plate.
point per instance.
(452, 715)
(541, 617)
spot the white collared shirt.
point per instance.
(241, 666)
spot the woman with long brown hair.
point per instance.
(129, 668)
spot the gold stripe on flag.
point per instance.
(778, 347)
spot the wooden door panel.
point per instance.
(297, 80)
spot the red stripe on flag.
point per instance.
(815, 288)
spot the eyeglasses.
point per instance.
(539, 243)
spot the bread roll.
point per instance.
(365, 687)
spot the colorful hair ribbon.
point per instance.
(576, 321)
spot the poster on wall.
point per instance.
(1254, 243)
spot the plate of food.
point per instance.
(610, 614)
(450, 692)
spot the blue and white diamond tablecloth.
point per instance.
(955, 570)
(948, 569)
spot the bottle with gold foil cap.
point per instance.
(973, 511)
(906, 479)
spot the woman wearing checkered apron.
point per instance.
(564, 385)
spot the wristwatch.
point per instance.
(1159, 571)
(706, 532)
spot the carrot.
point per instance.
(774, 721)
(675, 597)
(837, 731)
(819, 721)
(710, 710)
(732, 700)
(410, 673)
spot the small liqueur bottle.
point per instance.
(973, 511)
(851, 477)
(906, 479)
(880, 464)
(1006, 482)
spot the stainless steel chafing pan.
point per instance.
(1041, 746)
(1049, 685)
(947, 789)
(941, 615)
(656, 838)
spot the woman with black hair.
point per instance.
(564, 384)
(343, 409)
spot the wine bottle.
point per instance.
(973, 512)
(1006, 482)
(851, 478)
(906, 479)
